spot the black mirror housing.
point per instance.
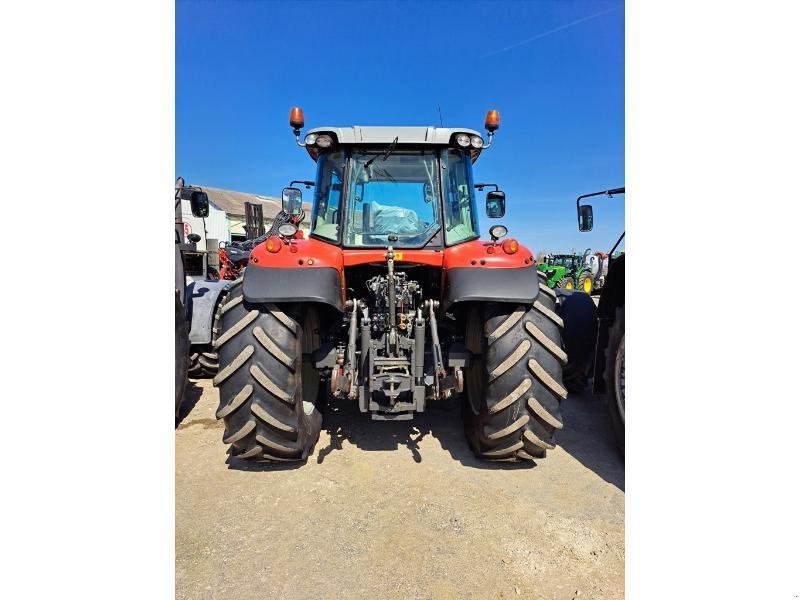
(585, 218)
(496, 204)
(292, 200)
(199, 203)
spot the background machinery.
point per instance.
(202, 289)
(561, 270)
(596, 340)
(199, 205)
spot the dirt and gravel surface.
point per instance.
(399, 510)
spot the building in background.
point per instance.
(225, 221)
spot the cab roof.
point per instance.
(385, 135)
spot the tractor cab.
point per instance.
(405, 187)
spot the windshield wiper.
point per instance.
(432, 235)
(386, 154)
(386, 174)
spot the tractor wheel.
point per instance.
(513, 385)
(585, 283)
(267, 391)
(181, 351)
(566, 283)
(615, 375)
(579, 336)
(204, 362)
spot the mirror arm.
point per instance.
(480, 186)
(308, 184)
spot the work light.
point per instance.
(498, 231)
(476, 141)
(324, 141)
(310, 139)
(287, 230)
(462, 139)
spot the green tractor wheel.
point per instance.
(585, 283)
(566, 283)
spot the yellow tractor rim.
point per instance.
(568, 285)
(587, 285)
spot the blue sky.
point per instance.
(554, 70)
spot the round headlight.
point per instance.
(287, 230)
(462, 139)
(498, 231)
(476, 141)
(310, 139)
(324, 141)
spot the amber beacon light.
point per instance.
(296, 119)
(492, 123)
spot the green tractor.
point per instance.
(561, 270)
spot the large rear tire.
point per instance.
(181, 351)
(267, 392)
(514, 387)
(615, 375)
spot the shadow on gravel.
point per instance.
(190, 398)
(588, 436)
(441, 420)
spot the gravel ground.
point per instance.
(399, 510)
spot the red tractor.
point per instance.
(234, 256)
(232, 261)
(392, 301)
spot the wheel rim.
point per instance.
(568, 285)
(619, 377)
(587, 285)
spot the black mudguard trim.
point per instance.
(465, 284)
(201, 298)
(307, 284)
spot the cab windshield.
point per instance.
(403, 198)
(392, 200)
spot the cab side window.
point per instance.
(327, 196)
(459, 199)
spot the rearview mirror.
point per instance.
(585, 218)
(292, 200)
(193, 237)
(495, 204)
(199, 203)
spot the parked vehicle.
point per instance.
(606, 336)
(202, 291)
(391, 302)
(199, 204)
(593, 272)
(561, 270)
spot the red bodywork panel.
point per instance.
(477, 254)
(485, 254)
